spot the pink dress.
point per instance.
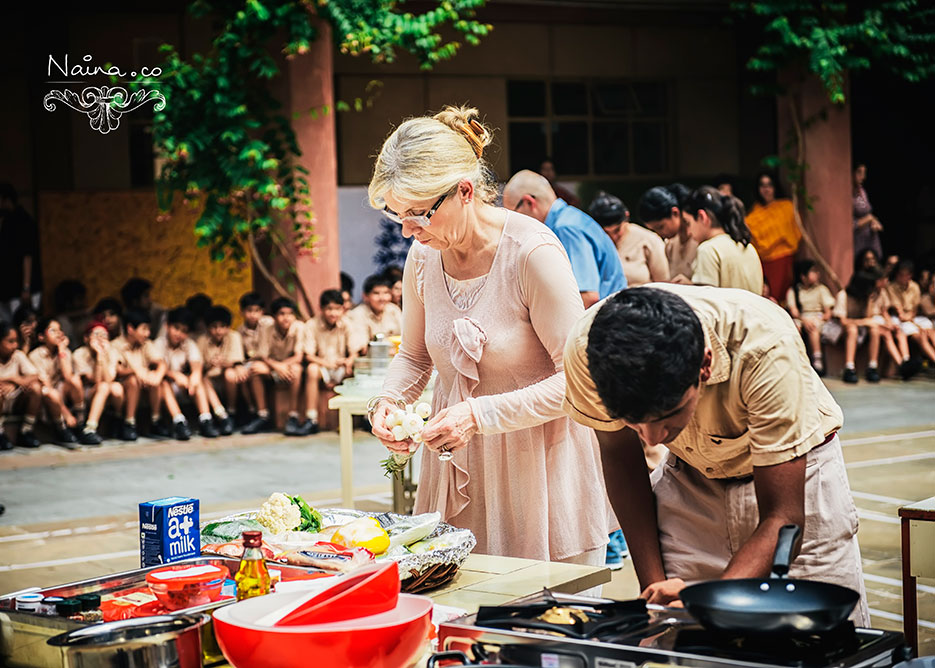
(529, 484)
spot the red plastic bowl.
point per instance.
(186, 586)
(393, 639)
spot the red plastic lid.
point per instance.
(186, 574)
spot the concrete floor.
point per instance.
(73, 515)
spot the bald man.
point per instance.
(593, 256)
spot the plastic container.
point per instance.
(187, 586)
(29, 602)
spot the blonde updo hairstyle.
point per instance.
(427, 157)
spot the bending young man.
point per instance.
(722, 378)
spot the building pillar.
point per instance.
(828, 179)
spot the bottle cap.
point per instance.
(68, 607)
(51, 600)
(252, 539)
(90, 601)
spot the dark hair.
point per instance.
(198, 304)
(6, 328)
(374, 281)
(281, 303)
(801, 268)
(645, 350)
(725, 211)
(657, 203)
(134, 318)
(347, 282)
(777, 187)
(44, 324)
(724, 178)
(23, 313)
(393, 273)
(107, 304)
(330, 297)
(219, 314)
(181, 316)
(133, 289)
(67, 292)
(905, 265)
(251, 299)
(863, 283)
(859, 258)
(7, 191)
(608, 209)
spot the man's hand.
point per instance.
(665, 592)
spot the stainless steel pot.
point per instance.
(167, 641)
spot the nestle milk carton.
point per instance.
(169, 530)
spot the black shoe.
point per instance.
(160, 429)
(850, 375)
(182, 432)
(908, 369)
(4, 442)
(257, 425)
(2, 508)
(27, 439)
(293, 427)
(127, 432)
(207, 428)
(820, 370)
(90, 438)
(872, 374)
(66, 438)
(307, 428)
(226, 426)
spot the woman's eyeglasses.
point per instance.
(423, 220)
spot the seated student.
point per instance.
(376, 315)
(109, 311)
(327, 350)
(136, 294)
(279, 356)
(394, 274)
(347, 290)
(905, 296)
(198, 304)
(20, 389)
(927, 302)
(96, 363)
(857, 309)
(184, 368)
(71, 309)
(52, 359)
(252, 309)
(809, 302)
(139, 367)
(222, 351)
(25, 320)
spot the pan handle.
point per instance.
(786, 545)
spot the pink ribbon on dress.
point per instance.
(468, 340)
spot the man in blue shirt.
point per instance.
(593, 256)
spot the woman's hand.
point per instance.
(379, 429)
(452, 428)
(875, 224)
(665, 592)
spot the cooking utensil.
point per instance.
(459, 656)
(775, 605)
(154, 642)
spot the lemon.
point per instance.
(365, 532)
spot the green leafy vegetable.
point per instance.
(311, 518)
(224, 532)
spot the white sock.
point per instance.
(179, 419)
(264, 413)
(312, 415)
(294, 414)
(872, 365)
(849, 365)
(220, 412)
(204, 416)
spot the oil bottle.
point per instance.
(252, 577)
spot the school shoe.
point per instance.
(27, 439)
(182, 431)
(4, 442)
(90, 438)
(257, 425)
(160, 430)
(66, 438)
(207, 428)
(308, 428)
(850, 375)
(872, 374)
(127, 432)
(225, 426)
(909, 368)
(293, 428)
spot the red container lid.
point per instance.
(176, 577)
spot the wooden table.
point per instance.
(918, 550)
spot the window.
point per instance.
(596, 128)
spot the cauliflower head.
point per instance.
(279, 514)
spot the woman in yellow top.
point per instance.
(726, 258)
(775, 233)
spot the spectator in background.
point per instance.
(60, 383)
(96, 364)
(905, 296)
(593, 256)
(136, 294)
(224, 371)
(642, 252)
(775, 233)
(724, 184)
(726, 258)
(809, 302)
(857, 309)
(347, 291)
(20, 273)
(328, 350)
(395, 275)
(198, 305)
(183, 378)
(660, 209)
(866, 260)
(867, 227)
(25, 319)
(376, 315)
(252, 308)
(547, 169)
(20, 389)
(139, 367)
(71, 309)
(109, 311)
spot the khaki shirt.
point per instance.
(86, 361)
(230, 350)
(906, 299)
(278, 346)
(812, 301)
(724, 263)
(847, 307)
(144, 356)
(48, 364)
(17, 365)
(762, 405)
(366, 324)
(251, 337)
(329, 343)
(179, 358)
(927, 305)
(681, 256)
(643, 256)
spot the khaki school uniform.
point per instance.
(681, 256)
(178, 358)
(49, 365)
(908, 300)
(251, 337)
(328, 343)
(724, 263)
(230, 350)
(131, 356)
(366, 324)
(86, 361)
(17, 365)
(643, 256)
(277, 346)
(812, 301)
(763, 405)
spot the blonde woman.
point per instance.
(489, 298)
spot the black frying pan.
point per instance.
(775, 605)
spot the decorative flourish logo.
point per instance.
(104, 105)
